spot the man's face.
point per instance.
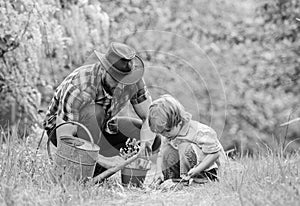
(110, 84)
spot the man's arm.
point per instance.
(141, 109)
(69, 110)
(73, 101)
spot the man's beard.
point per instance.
(108, 88)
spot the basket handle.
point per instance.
(69, 122)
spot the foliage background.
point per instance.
(233, 65)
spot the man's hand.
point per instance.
(144, 156)
(109, 162)
(145, 150)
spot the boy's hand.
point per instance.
(206, 162)
(193, 172)
(158, 178)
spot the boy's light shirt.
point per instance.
(204, 138)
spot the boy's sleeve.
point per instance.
(208, 141)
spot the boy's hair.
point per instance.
(165, 113)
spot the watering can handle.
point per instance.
(69, 122)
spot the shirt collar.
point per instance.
(185, 129)
(106, 94)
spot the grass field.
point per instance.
(26, 179)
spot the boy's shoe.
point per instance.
(182, 181)
(199, 180)
(170, 185)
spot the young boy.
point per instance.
(190, 149)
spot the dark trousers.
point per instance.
(179, 162)
(93, 118)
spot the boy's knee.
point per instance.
(187, 153)
(170, 155)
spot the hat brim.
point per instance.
(129, 78)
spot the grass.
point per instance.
(26, 179)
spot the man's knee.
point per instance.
(92, 112)
(92, 117)
(129, 127)
(52, 136)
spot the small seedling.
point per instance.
(132, 147)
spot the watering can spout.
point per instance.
(115, 169)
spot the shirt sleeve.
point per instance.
(72, 101)
(142, 93)
(208, 141)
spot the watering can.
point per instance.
(78, 157)
(74, 156)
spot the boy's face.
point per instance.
(171, 133)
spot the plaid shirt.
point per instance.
(84, 86)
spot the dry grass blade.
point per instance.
(290, 122)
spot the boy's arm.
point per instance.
(210, 146)
(208, 160)
(159, 177)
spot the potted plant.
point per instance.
(133, 173)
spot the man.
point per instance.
(94, 94)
